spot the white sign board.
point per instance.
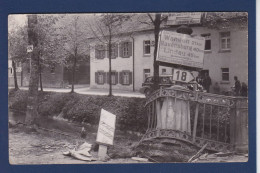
(29, 48)
(181, 49)
(184, 18)
(19, 69)
(106, 128)
(182, 76)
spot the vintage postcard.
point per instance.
(105, 88)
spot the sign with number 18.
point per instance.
(182, 76)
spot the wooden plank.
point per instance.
(102, 152)
(210, 121)
(225, 138)
(155, 113)
(218, 125)
(203, 121)
(149, 115)
(167, 107)
(195, 119)
(197, 154)
(152, 115)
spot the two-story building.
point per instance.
(225, 56)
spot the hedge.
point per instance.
(86, 108)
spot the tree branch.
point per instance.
(149, 15)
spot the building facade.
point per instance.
(225, 56)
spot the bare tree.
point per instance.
(74, 43)
(107, 31)
(17, 41)
(156, 20)
(50, 42)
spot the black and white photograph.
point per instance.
(123, 88)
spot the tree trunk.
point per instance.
(109, 74)
(15, 77)
(32, 102)
(73, 72)
(40, 76)
(40, 72)
(157, 23)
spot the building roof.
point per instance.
(140, 22)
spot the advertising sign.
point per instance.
(29, 48)
(182, 76)
(182, 49)
(184, 18)
(106, 128)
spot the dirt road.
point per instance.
(41, 147)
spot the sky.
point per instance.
(16, 20)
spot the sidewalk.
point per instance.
(87, 91)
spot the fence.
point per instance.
(198, 118)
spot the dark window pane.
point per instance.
(208, 45)
(225, 77)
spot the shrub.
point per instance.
(17, 100)
(86, 108)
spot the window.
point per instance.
(100, 52)
(147, 47)
(114, 50)
(225, 74)
(125, 77)
(225, 40)
(207, 42)
(100, 77)
(163, 71)
(52, 69)
(114, 78)
(125, 49)
(146, 73)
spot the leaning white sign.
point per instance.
(181, 49)
(106, 128)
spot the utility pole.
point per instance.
(32, 102)
(157, 22)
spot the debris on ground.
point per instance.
(221, 157)
(162, 150)
(198, 153)
(140, 159)
(81, 152)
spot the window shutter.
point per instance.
(144, 47)
(100, 52)
(130, 78)
(130, 49)
(96, 77)
(107, 78)
(121, 49)
(103, 52)
(116, 76)
(104, 77)
(116, 50)
(121, 77)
